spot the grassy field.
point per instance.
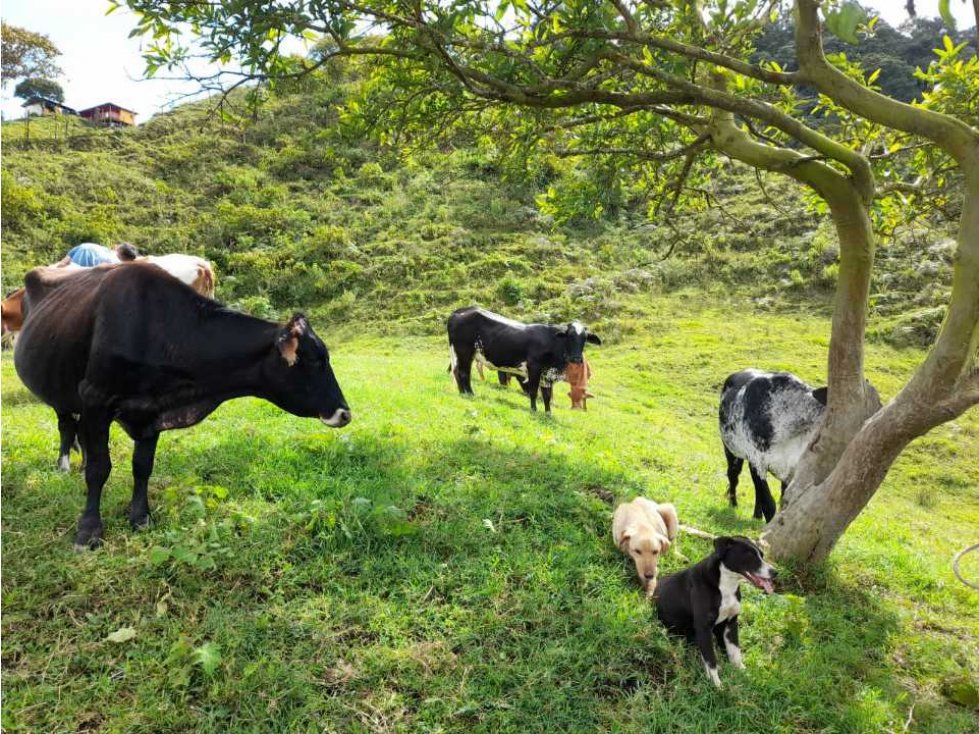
(445, 564)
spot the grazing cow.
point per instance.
(577, 376)
(539, 351)
(131, 344)
(190, 269)
(768, 418)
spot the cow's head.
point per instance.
(574, 336)
(299, 378)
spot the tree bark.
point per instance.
(851, 399)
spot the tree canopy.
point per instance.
(660, 90)
(27, 54)
(46, 88)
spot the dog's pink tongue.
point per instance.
(762, 583)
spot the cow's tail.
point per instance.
(453, 359)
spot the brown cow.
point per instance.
(577, 376)
(190, 269)
(12, 312)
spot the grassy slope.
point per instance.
(351, 580)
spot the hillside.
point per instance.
(296, 215)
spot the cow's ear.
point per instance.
(821, 394)
(593, 339)
(287, 341)
(298, 324)
(288, 345)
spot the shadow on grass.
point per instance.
(498, 562)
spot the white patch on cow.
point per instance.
(63, 463)
(552, 375)
(712, 674)
(520, 370)
(733, 651)
(184, 268)
(730, 606)
(453, 358)
(501, 319)
(579, 328)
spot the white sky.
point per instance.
(102, 64)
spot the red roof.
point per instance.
(105, 104)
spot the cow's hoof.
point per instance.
(88, 538)
(139, 518)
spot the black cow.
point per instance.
(539, 351)
(768, 418)
(134, 345)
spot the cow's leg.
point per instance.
(764, 503)
(546, 390)
(523, 384)
(67, 429)
(462, 370)
(533, 382)
(143, 455)
(504, 378)
(95, 435)
(734, 466)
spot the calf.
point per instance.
(539, 350)
(132, 344)
(577, 376)
(768, 418)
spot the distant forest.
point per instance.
(897, 52)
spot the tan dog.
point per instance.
(644, 530)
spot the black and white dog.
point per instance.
(704, 599)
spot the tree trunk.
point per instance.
(942, 388)
(851, 399)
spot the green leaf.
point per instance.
(946, 12)
(159, 554)
(208, 656)
(843, 22)
(123, 634)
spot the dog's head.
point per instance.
(645, 548)
(740, 555)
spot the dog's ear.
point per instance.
(668, 512)
(664, 544)
(624, 540)
(721, 544)
(821, 394)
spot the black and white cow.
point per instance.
(538, 351)
(768, 418)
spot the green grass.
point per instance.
(444, 564)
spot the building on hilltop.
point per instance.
(109, 114)
(36, 106)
